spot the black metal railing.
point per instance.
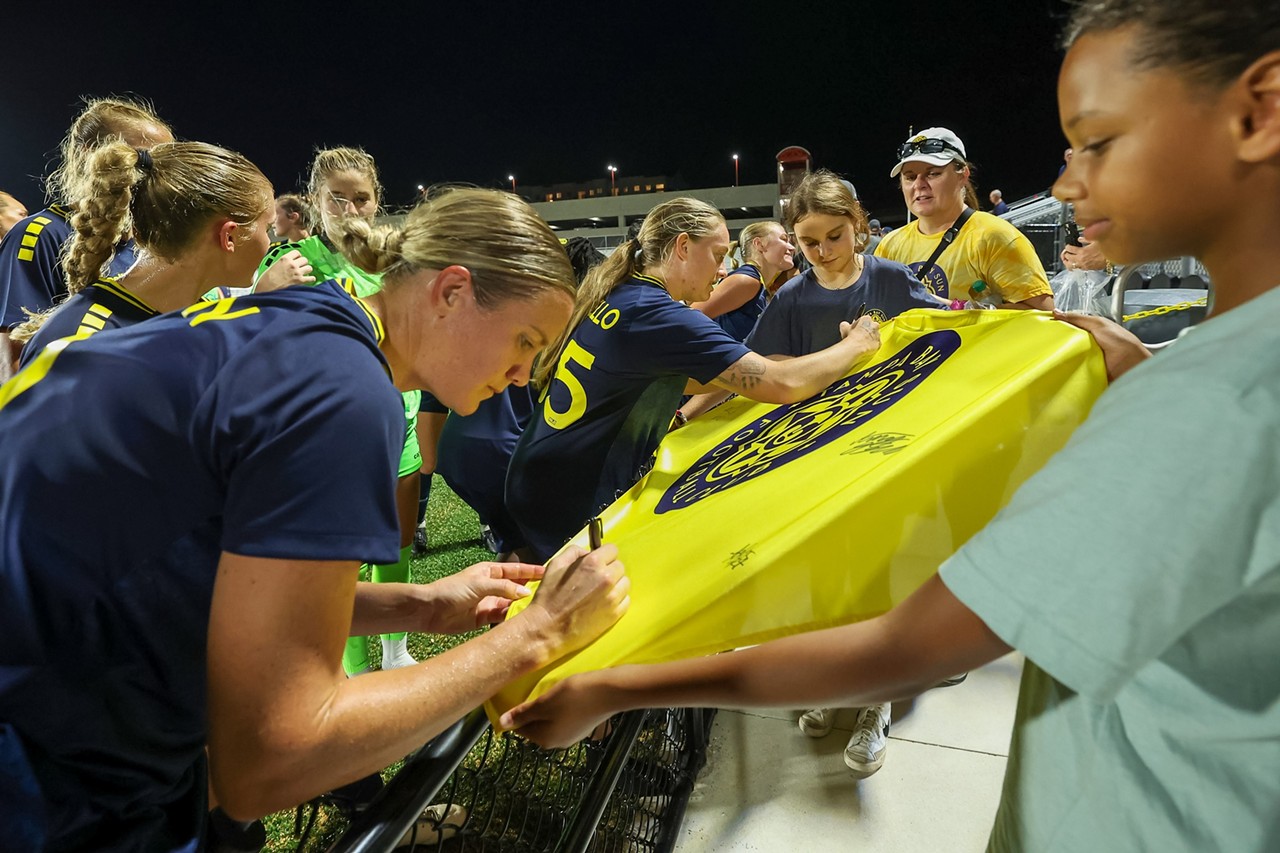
(627, 790)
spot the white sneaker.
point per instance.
(436, 824)
(395, 653)
(818, 722)
(865, 752)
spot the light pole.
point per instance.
(735, 170)
(512, 179)
(613, 183)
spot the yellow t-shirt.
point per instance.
(987, 249)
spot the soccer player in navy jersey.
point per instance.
(613, 381)
(237, 466)
(201, 215)
(740, 298)
(31, 275)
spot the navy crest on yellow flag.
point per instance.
(759, 521)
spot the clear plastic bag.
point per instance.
(1081, 292)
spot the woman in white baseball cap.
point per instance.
(951, 244)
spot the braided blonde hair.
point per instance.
(163, 197)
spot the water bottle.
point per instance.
(981, 296)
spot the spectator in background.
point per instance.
(937, 184)
(805, 317)
(11, 210)
(738, 300)
(875, 237)
(1086, 256)
(293, 216)
(998, 207)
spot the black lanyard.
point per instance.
(947, 240)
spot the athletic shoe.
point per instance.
(489, 539)
(865, 751)
(953, 680)
(818, 722)
(435, 825)
(395, 653)
(420, 540)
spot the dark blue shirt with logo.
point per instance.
(805, 317)
(265, 426)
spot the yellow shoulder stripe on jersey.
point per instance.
(29, 236)
(113, 287)
(94, 320)
(35, 371)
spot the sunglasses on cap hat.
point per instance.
(926, 146)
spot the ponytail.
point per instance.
(372, 248)
(650, 248)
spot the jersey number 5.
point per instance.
(573, 353)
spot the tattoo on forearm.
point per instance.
(746, 373)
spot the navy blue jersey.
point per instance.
(474, 452)
(805, 317)
(102, 305)
(431, 404)
(31, 274)
(741, 320)
(615, 390)
(265, 426)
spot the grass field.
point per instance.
(454, 536)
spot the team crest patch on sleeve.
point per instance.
(792, 431)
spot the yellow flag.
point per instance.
(759, 521)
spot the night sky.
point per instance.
(475, 91)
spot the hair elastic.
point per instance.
(144, 159)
